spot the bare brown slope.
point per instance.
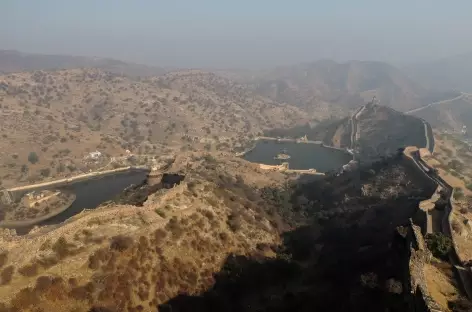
(342, 85)
(453, 72)
(128, 258)
(132, 258)
(63, 115)
(449, 115)
(382, 131)
(14, 61)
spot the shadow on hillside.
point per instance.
(349, 259)
(306, 281)
(346, 269)
(138, 194)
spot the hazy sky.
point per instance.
(222, 33)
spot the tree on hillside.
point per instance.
(455, 165)
(33, 157)
(45, 172)
(439, 244)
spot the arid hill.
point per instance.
(58, 117)
(225, 237)
(453, 72)
(378, 131)
(449, 115)
(15, 61)
(343, 86)
(382, 131)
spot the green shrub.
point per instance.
(439, 244)
(455, 165)
(458, 193)
(33, 157)
(160, 213)
(7, 275)
(460, 305)
(3, 258)
(61, 247)
(121, 243)
(45, 172)
(29, 269)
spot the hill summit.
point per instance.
(372, 131)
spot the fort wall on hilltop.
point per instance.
(419, 256)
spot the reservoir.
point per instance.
(302, 155)
(91, 193)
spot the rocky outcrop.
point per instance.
(419, 255)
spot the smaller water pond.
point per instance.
(91, 193)
(302, 155)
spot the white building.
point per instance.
(95, 155)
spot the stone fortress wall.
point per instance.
(419, 253)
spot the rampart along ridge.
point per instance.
(418, 258)
(418, 253)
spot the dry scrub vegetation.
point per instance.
(128, 258)
(50, 120)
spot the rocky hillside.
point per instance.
(221, 235)
(450, 115)
(382, 131)
(14, 61)
(343, 86)
(378, 131)
(453, 72)
(61, 116)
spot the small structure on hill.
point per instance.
(351, 165)
(303, 138)
(283, 155)
(94, 155)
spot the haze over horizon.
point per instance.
(238, 34)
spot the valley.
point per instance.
(298, 188)
(200, 194)
(87, 110)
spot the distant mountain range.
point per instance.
(444, 74)
(14, 61)
(345, 85)
(450, 115)
(322, 86)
